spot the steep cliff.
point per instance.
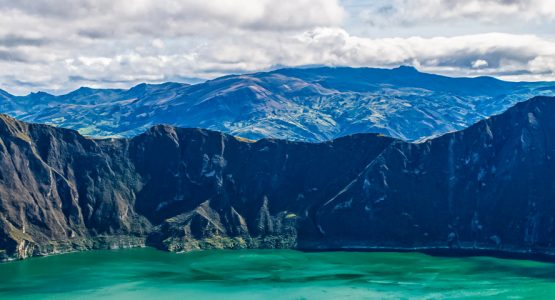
(490, 186)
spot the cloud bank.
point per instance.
(411, 12)
(60, 45)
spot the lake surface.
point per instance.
(272, 274)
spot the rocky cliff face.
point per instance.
(490, 186)
(60, 191)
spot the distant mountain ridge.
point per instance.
(301, 104)
(487, 187)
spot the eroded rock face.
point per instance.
(58, 190)
(490, 186)
(177, 189)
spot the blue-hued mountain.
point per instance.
(314, 104)
(490, 186)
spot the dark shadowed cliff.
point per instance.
(490, 186)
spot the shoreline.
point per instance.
(447, 252)
(439, 251)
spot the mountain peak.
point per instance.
(143, 87)
(406, 69)
(40, 95)
(5, 94)
(82, 91)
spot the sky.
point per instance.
(59, 45)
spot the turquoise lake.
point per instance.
(273, 274)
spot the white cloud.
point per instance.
(411, 12)
(118, 43)
(479, 63)
(163, 18)
(504, 55)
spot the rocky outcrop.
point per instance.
(490, 186)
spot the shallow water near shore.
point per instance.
(272, 274)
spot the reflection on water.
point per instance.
(276, 274)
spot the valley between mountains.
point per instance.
(489, 186)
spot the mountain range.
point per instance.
(489, 186)
(312, 104)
